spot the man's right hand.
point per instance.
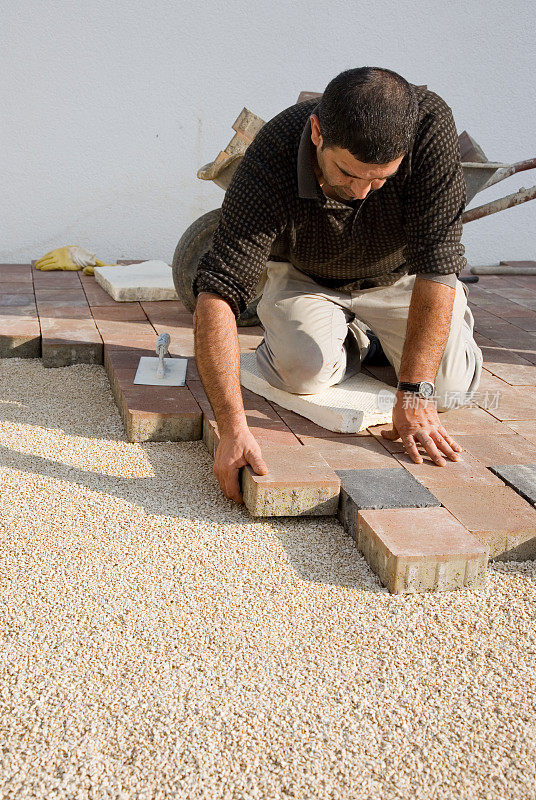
(234, 452)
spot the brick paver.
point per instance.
(150, 413)
(20, 332)
(497, 516)
(299, 483)
(420, 549)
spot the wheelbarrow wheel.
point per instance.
(193, 244)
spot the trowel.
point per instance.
(162, 371)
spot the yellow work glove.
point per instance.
(70, 257)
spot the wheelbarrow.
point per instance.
(478, 171)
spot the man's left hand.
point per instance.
(416, 421)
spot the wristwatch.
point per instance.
(423, 389)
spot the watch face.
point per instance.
(426, 389)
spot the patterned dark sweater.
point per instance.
(274, 208)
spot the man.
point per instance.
(353, 205)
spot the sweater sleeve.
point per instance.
(436, 199)
(252, 216)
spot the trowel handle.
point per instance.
(162, 344)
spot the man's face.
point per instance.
(343, 174)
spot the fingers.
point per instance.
(445, 445)
(452, 442)
(411, 449)
(45, 263)
(230, 480)
(229, 483)
(430, 446)
(256, 462)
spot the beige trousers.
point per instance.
(314, 336)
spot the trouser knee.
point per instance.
(303, 370)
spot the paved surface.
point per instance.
(67, 318)
(158, 642)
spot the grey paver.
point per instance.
(521, 477)
(379, 488)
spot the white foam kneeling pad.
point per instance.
(150, 280)
(348, 407)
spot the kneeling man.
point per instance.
(352, 204)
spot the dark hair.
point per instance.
(369, 111)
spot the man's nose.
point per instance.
(360, 189)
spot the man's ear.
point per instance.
(316, 136)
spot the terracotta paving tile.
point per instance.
(514, 374)
(126, 261)
(523, 342)
(526, 322)
(192, 373)
(490, 449)
(15, 287)
(265, 424)
(520, 264)
(95, 294)
(379, 488)
(512, 402)
(19, 311)
(20, 336)
(495, 353)
(177, 322)
(67, 339)
(351, 452)
(16, 273)
(53, 311)
(497, 516)
(485, 320)
(58, 329)
(528, 281)
(20, 297)
(299, 483)
(56, 279)
(158, 399)
(127, 334)
(151, 413)
(121, 331)
(121, 311)
(467, 472)
(525, 429)
(170, 312)
(127, 360)
(19, 324)
(209, 427)
(144, 342)
(420, 550)
(60, 297)
(468, 420)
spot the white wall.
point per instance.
(109, 107)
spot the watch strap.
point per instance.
(404, 386)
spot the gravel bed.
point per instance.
(158, 642)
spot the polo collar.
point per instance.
(308, 188)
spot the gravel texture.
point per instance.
(158, 642)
